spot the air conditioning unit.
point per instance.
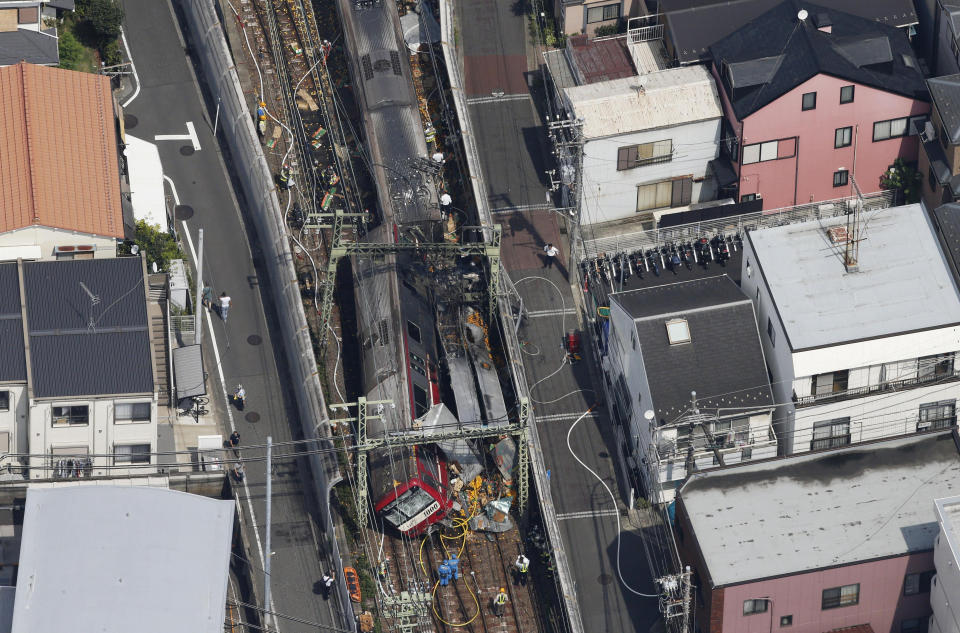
(923, 426)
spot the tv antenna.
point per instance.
(94, 301)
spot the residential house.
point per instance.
(668, 341)
(939, 161)
(648, 143)
(78, 369)
(650, 132)
(101, 557)
(836, 541)
(28, 31)
(939, 32)
(818, 103)
(693, 26)
(60, 188)
(944, 583)
(856, 353)
(585, 16)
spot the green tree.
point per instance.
(71, 51)
(104, 18)
(157, 245)
(904, 179)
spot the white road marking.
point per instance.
(545, 313)
(223, 388)
(495, 98)
(133, 69)
(523, 207)
(561, 417)
(587, 514)
(191, 136)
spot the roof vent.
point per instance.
(802, 14)
(823, 23)
(838, 235)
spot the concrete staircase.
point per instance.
(157, 313)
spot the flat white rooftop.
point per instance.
(118, 559)
(633, 104)
(949, 512)
(903, 285)
(820, 510)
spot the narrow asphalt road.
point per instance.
(242, 349)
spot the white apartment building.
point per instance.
(78, 381)
(856, 355)
(668, 341)
(944, 587)
(648, 143)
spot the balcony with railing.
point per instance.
(920, 379)
(708, 446)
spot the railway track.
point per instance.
(466, 604)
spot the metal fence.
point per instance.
(594, 246)
(566, 587)
(209, 47)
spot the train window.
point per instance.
(420, 400)
(417, 360)
(419, 370)
(407, 506)
(413, 330)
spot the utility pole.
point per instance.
(675, 594)
(567, 138)
(198, 322)
(269, 554)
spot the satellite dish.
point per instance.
(802, 15)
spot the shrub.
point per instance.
(157, 245)
(71, 51)
(904, 179)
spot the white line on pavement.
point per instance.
(133, 69)
(494, 98)
(587, 514)
(223, 388)
(191, 136)
(545, 313)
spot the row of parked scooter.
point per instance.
(615, 269)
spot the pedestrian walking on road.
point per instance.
(235, 440)
(224, 305)
(551, 251)
(327, 584)
(208, 297)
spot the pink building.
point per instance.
(826, 541)
(815, 98)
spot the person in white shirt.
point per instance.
(224, 306)
(551, 251)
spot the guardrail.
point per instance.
(566, 588)
(209, 47)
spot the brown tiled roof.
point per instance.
(58, 151)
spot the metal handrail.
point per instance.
(891, 385)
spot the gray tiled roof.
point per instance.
(12, 361)
(78, 348)
(695, 25)
(945, 92)
(723, 362)
(29, 46)
(857, 50)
